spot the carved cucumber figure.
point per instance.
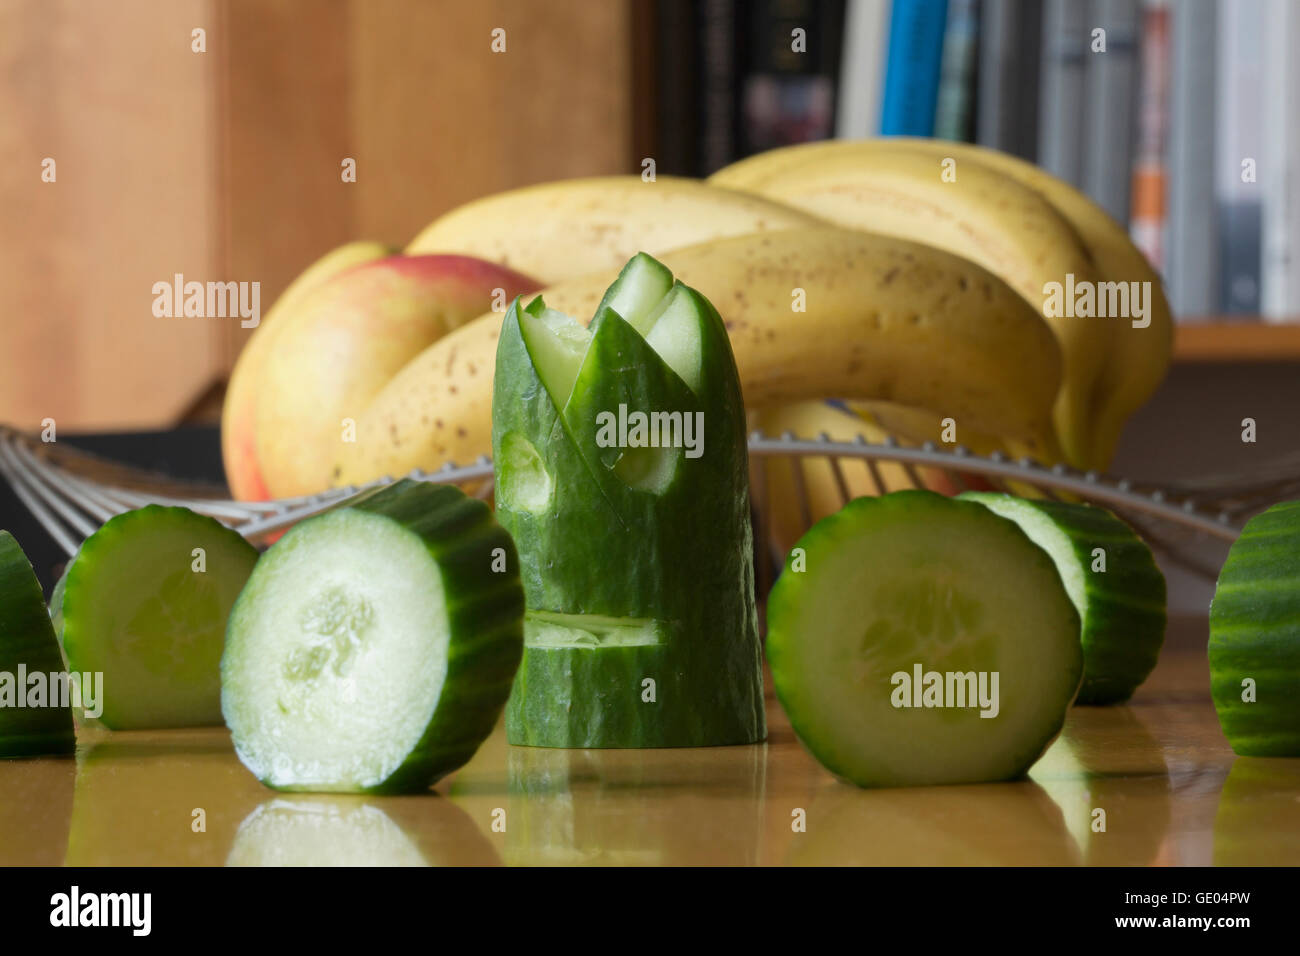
(31, 668)
(622, 474)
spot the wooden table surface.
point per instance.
(1172, 792)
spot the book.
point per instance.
(1192, 268)
(862, 70)
(955, 111)
(1280, 165)
(790, 62)
(1147, 219)
(675, 62)
(912, 68)
(1109, 101)
(1010, 40)
(1060, 103)
(1238, 141)
(717, 95)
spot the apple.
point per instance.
(334, 348)
(238, 441)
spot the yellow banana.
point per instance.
(573, 227)
(882, 319)
(1140, 355)
(915, 426)
(974, 212)
(779, 497)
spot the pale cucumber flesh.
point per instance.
(338, 654)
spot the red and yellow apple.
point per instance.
(336, 345)
(238, 441)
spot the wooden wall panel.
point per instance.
(225, 165)
(284, 130)
(439, 119)
(113, 93)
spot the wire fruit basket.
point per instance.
(71, 492)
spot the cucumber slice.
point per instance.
(1121, 603)
(34, 717)
(374, 646)
(144, 604)
(1255, 637)
(914, 582)
(636, 556)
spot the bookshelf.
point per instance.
(1216, 340)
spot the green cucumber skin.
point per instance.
(485, 618)
(684, 556)
(587, 698)
(799, 700)
(78, 621)
(27, 637)
(1255, 633)
(1124, 627)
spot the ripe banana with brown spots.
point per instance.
(1138, 355)
(574, 227)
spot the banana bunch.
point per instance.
(1020, 223)
(905, 277)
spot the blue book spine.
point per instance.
(916, 29)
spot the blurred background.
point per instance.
(145, 138)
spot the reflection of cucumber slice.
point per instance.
(1258, 820)
(144, 603)
(1121, 603)
(300, 833)
(335, 830)
(637, 557)
(1130, 783)
(910, 583)
(31, 670)
(1255, 637)
(374, 646)
(1009, 825)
